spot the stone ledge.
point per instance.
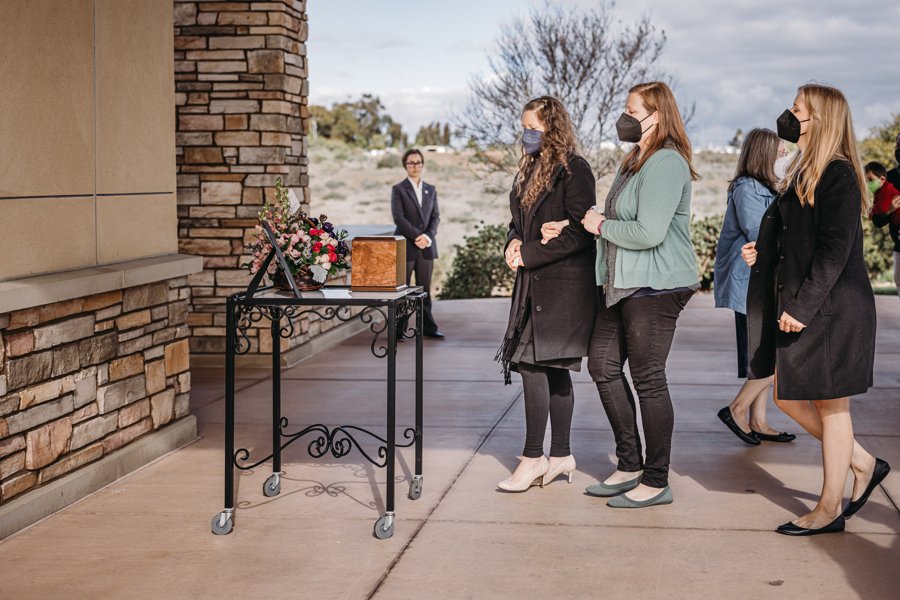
(41, 502)
(57, 287)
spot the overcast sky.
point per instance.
(739, 60)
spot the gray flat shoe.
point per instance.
(604, 490)
(623, 501)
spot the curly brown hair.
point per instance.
(557, 145)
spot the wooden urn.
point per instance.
(378, 263)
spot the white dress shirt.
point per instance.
(417, 188)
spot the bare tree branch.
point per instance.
(587, 58)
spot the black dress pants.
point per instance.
(638, 330)
(422, 267)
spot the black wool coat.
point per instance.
(560, 274)
(810, 265)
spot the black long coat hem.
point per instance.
(810, 265)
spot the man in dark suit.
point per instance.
(414, 206)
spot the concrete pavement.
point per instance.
(147, 535)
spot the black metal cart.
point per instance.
(382, 312)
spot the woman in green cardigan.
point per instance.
(646, 272)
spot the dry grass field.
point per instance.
(353, 187)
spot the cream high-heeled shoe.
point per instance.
(529, 472)
(557, 465)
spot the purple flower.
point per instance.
(328, 227)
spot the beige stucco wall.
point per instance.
(87, 138)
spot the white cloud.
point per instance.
(740, 61)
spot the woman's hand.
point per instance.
(513, 254)
(552, 229)
(592, 221)
(789, 324)
(749, 253)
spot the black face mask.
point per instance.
(789, 126)
(629, 128)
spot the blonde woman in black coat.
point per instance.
(810, 307)
(554, 294)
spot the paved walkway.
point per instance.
(147, 535)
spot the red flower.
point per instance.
(317, 246)
(315, 232)
(331, 249)
(332, 257)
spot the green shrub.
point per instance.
(705, 235)
(388, 161)
(479, 269)
(877, 248)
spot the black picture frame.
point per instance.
(277, 254)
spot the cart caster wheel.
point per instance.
(384, 527)
(272, 486)
(220, 528)
(415, 488)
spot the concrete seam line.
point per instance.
(443, 495)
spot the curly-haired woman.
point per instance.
(810, 306)
(554, 294)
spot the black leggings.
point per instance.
(548, 391)
(639, 330)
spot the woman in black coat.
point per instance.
(810, 307)
(554, 293)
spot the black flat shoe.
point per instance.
(437, 335)
(779, 437)
(725, 416)
(835, 526)
(878, 475)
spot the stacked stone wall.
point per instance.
(82, 378)
(242, 117)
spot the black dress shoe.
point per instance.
(778, 437)
(725, 416)
(789, 528)
(437, 335)
(878, 475)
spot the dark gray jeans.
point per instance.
(639, 330)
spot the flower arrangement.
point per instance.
(313, 248)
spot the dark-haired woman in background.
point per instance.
(749, 195)
(554, 293)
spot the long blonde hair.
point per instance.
(830, 136)
(557, 145)
(669, 131)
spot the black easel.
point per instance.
(277, 253)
